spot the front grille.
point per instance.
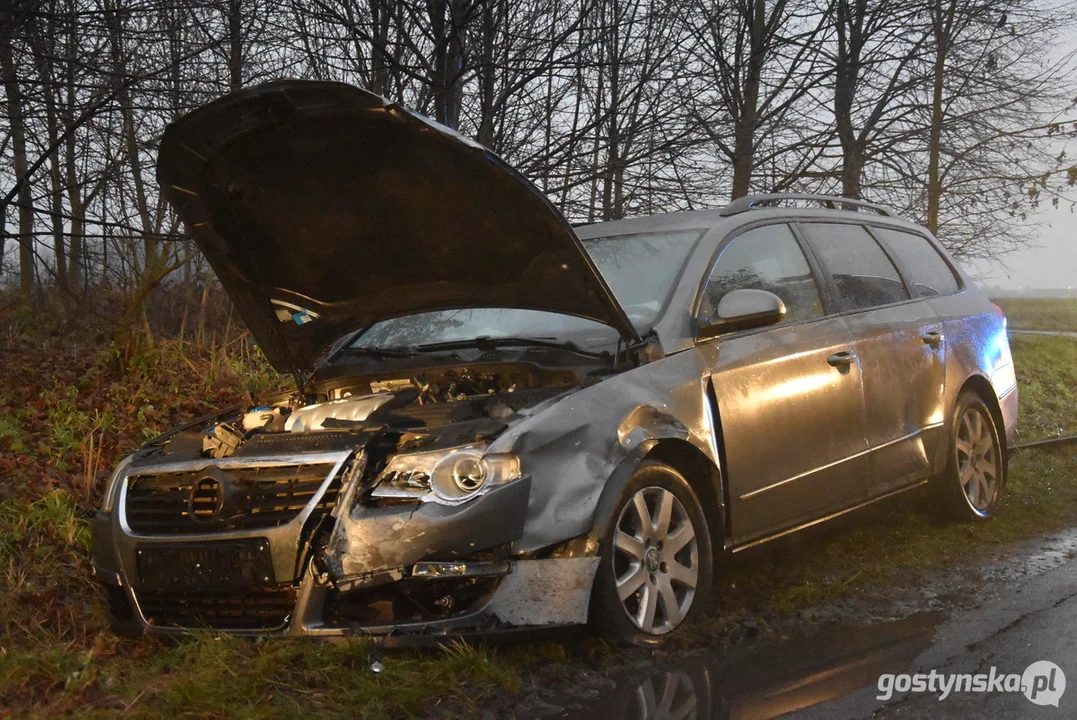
(247, 610)
(215, 500)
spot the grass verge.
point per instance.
(1040, 313)
(57, 657)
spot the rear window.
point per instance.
(863, 275)
(924, 269)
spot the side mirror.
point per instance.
(743, 309)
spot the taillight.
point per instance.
(1001, 314)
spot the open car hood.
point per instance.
(324, 208)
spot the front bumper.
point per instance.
(389, 572)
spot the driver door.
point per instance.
(789, 396)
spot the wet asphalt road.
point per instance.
(1027, 623)
(833, 670)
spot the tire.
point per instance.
(663, 586)
(970, 488)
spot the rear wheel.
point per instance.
(656, 560)
(971, 486)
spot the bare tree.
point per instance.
(956, 112)
(878, 48)
(12, 20)
(754, 62)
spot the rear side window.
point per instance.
(765, 258)
(863, 275)
(924, 269)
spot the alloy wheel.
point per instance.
(655, 560)
(977, 460)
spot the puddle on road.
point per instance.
(761, 680)
(804, 667)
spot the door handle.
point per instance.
(841, 359)
(934, 339)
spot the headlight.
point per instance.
(449, 476)
(112, 489)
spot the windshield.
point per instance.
(454, 325)
(642, 268)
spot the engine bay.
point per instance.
(436, 408)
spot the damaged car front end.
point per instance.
(378, 514)
(463, 418)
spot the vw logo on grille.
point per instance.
(208, 496)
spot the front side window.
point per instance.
(863, 276)
(764, 258)
(927, 273)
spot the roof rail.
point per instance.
(750, 202)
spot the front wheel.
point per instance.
(971, 487)
(656, 558)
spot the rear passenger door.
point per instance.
(930, 279)
(899, 345)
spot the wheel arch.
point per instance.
(702, 475)
(684, 457)
(982, 388)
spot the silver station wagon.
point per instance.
(501, 421)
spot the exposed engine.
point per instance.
(436, 408)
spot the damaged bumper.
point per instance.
(318, 562)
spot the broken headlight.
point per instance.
(449, 476)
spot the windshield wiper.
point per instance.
(376, 352)
(485, 341)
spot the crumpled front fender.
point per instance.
(573, 448)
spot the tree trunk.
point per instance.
(486, 77)
(18, 147)
(235, 44)
(942, 23)
(74, 189)
(3, 236)
(445, 18)
(610, 194)
(44, 50)
(744, 141)
(379, 59)
(845, 81)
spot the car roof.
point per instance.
(749, 210)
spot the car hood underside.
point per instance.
(324, 208)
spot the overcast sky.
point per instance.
(1051, 264)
